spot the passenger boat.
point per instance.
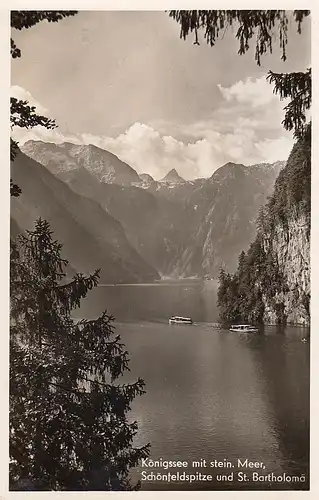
(180, 320)
(243, 329)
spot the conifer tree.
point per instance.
(227, 290)
(69, 428)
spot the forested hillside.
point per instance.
(272, 281)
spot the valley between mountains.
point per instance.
(133, 227)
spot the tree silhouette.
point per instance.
(68, 414)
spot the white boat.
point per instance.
(180, 320)
(243, 329)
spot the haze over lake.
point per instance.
(210, 393)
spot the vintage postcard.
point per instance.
(160, 264)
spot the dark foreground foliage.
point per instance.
(68, 414)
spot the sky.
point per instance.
(126, 82)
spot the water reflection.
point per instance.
(287, 390)
(211, 393)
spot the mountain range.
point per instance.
(66, 157)
(91, 237)
(140, 228)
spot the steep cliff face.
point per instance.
(291, 246)
(287, 236)
(272, 281)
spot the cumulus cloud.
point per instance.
(24, 95)
(253, 92)
(245, 128)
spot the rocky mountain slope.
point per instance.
(91, 237)
(146, 178)
(66, 156)
(272, 282)
(181, 228)
(194, 227)
(151, 223)
(221, 213)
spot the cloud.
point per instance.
(252, 92)
(275, 149)
(245, 128)
(24, 95)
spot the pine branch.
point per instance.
(261, 24)
(25, 19)
(297, 87)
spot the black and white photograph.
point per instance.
(160, 217)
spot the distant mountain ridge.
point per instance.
(180, 228)
(58, 158)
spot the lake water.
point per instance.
(211, 394)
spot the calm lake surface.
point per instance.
(211, 394)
